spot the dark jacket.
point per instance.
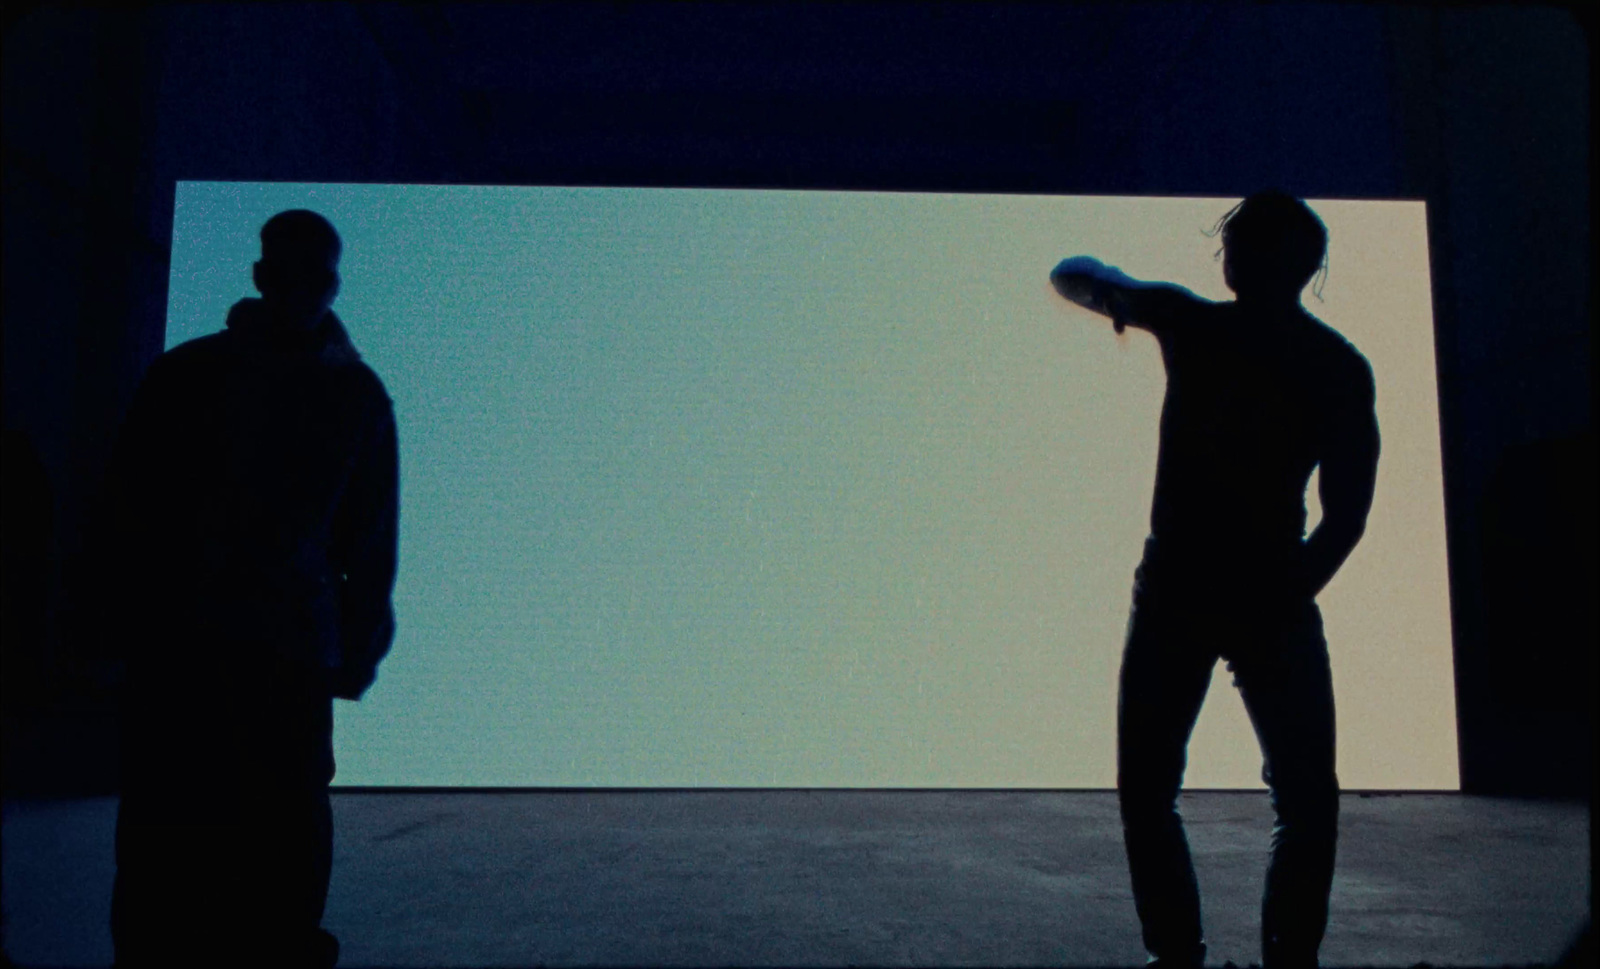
(250, 528)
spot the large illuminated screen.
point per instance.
(813, 489)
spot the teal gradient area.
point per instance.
(781, 488)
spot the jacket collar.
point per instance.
(328, 342)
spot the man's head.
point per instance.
(1272, 245)
(298, 273)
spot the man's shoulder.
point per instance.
(365, 382)
(198, 350)
(190, 360)
(338, 355)
(360, 395)
(1339, 358)
(1185, 317)
(209, 356)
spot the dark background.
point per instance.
(1483, 111)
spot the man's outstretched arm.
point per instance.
(1349, 472)
(1111, 292)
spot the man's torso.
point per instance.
(1250, 404)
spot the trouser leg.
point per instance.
(168, 902)
(290, 825)
(243, 890)
(1288, 691)
(176, 831)
(225, 842)
(1162, 684)
(289, 861)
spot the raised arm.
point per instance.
(1349, 471)
(1109, 291)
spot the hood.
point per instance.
(327, 341)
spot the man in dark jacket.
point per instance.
(248, 561)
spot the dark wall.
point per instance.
(1496, 108)
(1481, 111)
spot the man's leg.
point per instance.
(225, 842)
(1287, 687)
(1163, 682)
(169, 902)
(171, 899)
(289, 865)
(291, 829)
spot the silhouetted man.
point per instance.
(249, 560)
(1259, 393)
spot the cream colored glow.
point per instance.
(813, 488)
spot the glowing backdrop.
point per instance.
(782, 488)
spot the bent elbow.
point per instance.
(1347, 528)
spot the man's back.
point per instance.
(249, 557)
(256, 482)
(1254, 402)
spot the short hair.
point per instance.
(1276, 224)
(298, 232)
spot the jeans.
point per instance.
(1182, 621)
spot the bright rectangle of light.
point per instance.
(813, 489)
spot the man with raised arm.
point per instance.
(1259, 393)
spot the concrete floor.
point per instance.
(836, 878)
